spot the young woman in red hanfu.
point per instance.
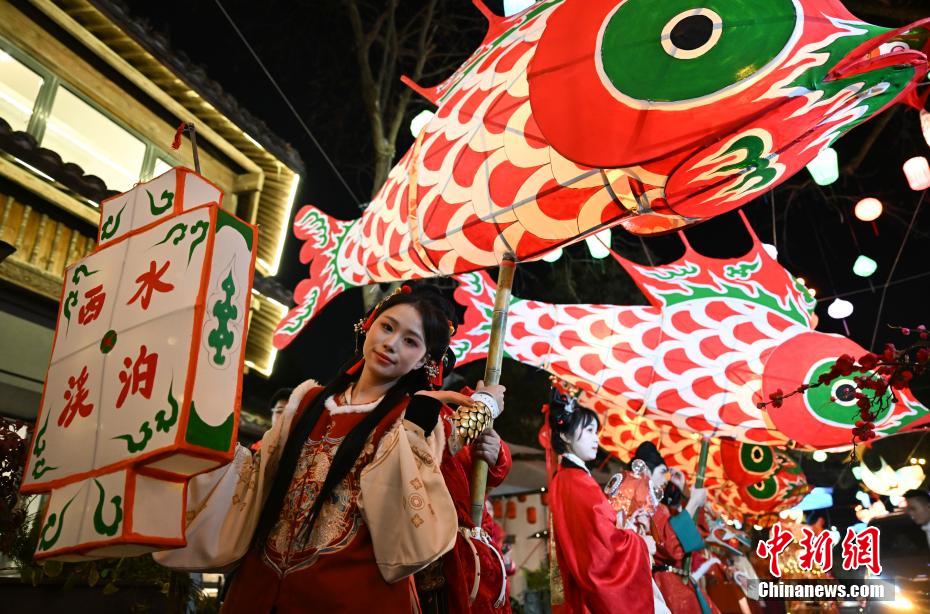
(604, 569)
(345, 501)
(676, 535)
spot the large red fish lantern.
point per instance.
(719, 337)
(577, 115)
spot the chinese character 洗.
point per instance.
(75, 400)
(140, 375)
(150, 282)
(816, 549)
(90, 311)
(774, 546)
(862, 549)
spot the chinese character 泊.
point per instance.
(140, 375)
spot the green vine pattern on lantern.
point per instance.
(222, 337)
(111, 225)
(56, 521)
(166, 197)
(163, 423)
(197, 230)
(82, 270)
(100, 526)
(39, 468)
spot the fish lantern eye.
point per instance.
(678, 51)
(691, 34)
(844, 392)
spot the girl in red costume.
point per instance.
(345, 501)
(604, 569)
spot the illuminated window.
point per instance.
(161, 167)
(19, 88)
(81, 134)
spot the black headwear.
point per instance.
(649, 454)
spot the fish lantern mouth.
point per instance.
(903, 47)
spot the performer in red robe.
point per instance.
(670, 528)
(467, 591)
(603, 569)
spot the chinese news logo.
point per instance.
(859, 549)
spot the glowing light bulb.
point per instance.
(599, 244)
(771, 250)
(925, 125)
(917, 171)
(825, 168)
(840, 309)
(868, 209)
(553, 255)
(864, 266)
(419, 121)
(820, 456)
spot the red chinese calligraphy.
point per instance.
(862, 549)
(774, 546)
(75, 400)
(816, 549)
(150, 282)
(139, 375)
(90, 311)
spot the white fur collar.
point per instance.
(348, 408)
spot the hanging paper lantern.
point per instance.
(511, 509)
(840, 309)
(825, 168)
(917, 172)
(864, 266)
(521, 498)
(868, 209)
(109, 453)
(498, 508)
(531, 514)
(544, 498)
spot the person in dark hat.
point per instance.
(676, 536)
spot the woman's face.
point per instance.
(660, 476)
(583, 443)
(395, 344)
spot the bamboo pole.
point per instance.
(702, 463)
(492, 375)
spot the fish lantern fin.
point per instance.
(476, 292)
(429, 93)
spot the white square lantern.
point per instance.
(144, 382)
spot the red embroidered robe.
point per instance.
(679, 596)
(459, 564)
(333, 569)
(604, 569)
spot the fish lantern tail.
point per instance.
(476, 293)
(322, 236)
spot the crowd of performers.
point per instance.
(358, 498)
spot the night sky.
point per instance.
(308, 48)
